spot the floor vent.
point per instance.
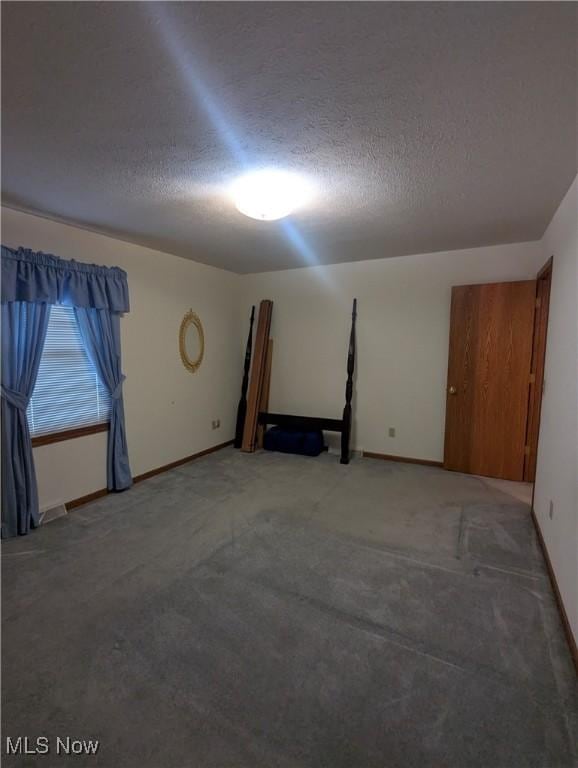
(52, 513)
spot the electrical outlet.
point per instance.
(551, 510)
(216, 423)
(391, 432)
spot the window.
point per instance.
(68, 393)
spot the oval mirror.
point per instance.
(191, 341)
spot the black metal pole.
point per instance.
(242, 407)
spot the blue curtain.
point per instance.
(31, 282)
(41, 277)
(23, 333)
(100, 331)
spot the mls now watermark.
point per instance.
(45, 745)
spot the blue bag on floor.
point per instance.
(294, 441)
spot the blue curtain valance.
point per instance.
(41, 277)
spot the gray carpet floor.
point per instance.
(268, 610)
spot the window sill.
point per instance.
(69, 434)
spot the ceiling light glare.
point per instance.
(270, 194)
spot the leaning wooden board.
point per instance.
(264, 402)
(257, 375)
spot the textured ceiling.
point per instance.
(426, 126)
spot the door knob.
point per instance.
(453, 391)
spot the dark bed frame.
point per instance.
(305, 423)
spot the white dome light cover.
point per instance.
(270, 194)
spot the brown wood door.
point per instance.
(491, 329)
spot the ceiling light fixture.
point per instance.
(270, 194)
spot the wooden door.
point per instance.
(491, 329)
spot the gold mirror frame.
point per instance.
(188, 320)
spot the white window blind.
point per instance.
(68, 393)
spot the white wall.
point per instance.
(168, 410)
(402, 338)
(557, 470)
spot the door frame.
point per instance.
(536, 390)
